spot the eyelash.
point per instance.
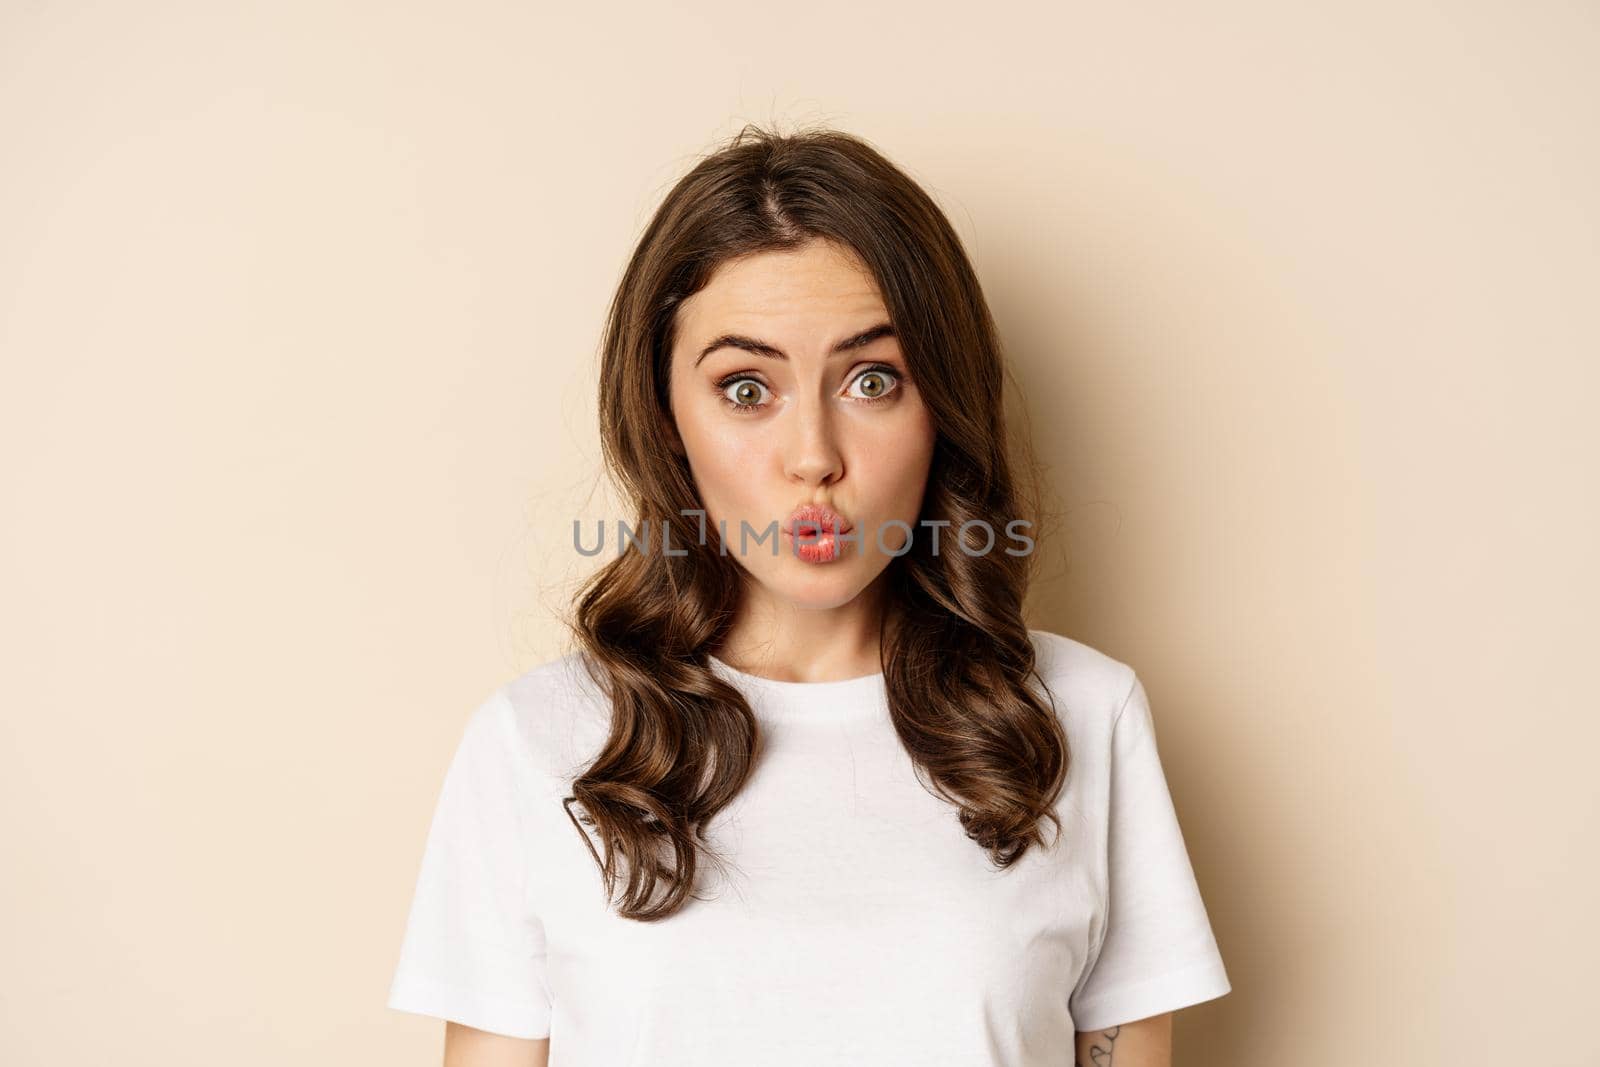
(721, 388)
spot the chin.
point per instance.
(818, 587)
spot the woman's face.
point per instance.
(784, 392)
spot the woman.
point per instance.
(787, 802)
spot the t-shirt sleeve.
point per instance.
(1158, 952)
(474, 951)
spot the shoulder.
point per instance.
(555, 715)
(559, 682)
(1086, 683)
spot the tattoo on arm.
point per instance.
(1100, 1049)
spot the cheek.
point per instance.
(900, 458)
(904, 480)
(725, 462)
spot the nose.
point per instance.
(811, 452)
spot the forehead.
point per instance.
(819, 281)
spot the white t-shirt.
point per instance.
(858, 923)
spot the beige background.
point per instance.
(299, 305)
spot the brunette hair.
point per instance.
(956, 653)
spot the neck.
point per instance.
(784, 641)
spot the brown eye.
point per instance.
(743, 394)
(876, 383)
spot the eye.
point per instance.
(878, 383)
(746, 393)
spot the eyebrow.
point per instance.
(762, 348)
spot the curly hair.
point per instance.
(955, 651)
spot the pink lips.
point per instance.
(815, 525)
